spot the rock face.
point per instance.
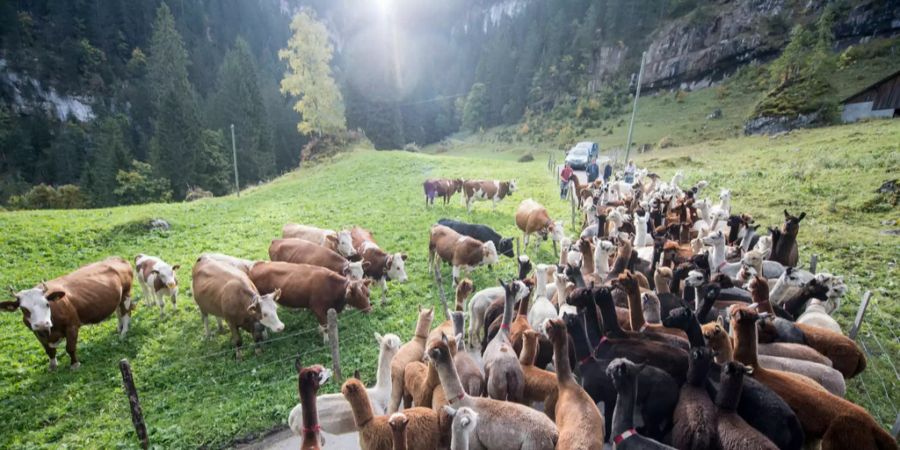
(774, 125)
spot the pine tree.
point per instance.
(168, 62)
(476, 109)
(213, 164)
(107, 156)
(309, 77)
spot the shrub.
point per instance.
(412, 147)
(665, 142)
(43, 196)
(138, 185)
(196, 193)
(526, 158)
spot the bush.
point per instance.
(138, 185)
(196, 193)
(43, 196)
(526, 158)
(411, 147)
(665, 142)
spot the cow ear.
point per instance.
(277, 294)
(176, 267)
(253, 309)
(55, 295)
(366, 264)
(802, 215)
(403, 256)
(9, 306)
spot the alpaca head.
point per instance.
(603, 247)
(725, 195)
(464, 421)
(573, 258)
(312, 377)
(680, 317)
(713, 239)
(752, 259)
(389, 342)
(580, 297)
(715, 334)
(626, 281)
(695, 278)
(663, 275)
(790, 277)
(700, 360)
(623, 372)
(426, 316)
(439, 351)
(464, 288)
(651, 308)
(355, 393)
(742, 317)
(554, 329)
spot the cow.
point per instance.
(226, 292)
(493, 190)
(483, 233)
(383, 266)
(298, 251)
(533, 218)
(338, 241)
(441, 187)
(157, 280)
(315, 288)
(56, 309)
(244, 265)
(462, 252)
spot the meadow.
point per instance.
(195, 394)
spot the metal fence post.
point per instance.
(137, 415)
(813, 263)
(335, 345)
(860, 314)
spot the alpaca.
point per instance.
(641, 237)
(784, 241)
(839, 423)
(464, 422)
(505, 380)
(423, 429)
(540, 384)
(309, 380)
(456, 317)
(501, 425)
(542, 308)
(786, 286)
(816, 315)
(624, 375)
(420, 379)
(579, 421)
(668, 301)
(734, 432)
(843, 352)
(479, 304)
(411, 351)
(694, 420)
(335, 415)
(628, 283)
(398, 423)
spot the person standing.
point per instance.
(629, 172)
(593, 171)
(607, 171)
(564, 176)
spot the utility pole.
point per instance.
(634, 108)
(234, 159)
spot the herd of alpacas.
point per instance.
(668, 322)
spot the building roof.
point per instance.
(871, 86)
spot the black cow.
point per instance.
(483, 233)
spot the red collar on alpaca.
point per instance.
(457, 398)
(504, 326)
(315, 429)
(625, 435)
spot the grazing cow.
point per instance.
(483, 233)
(244, 265)
(493, 190)
(338, 241)
(157, 279)
(298, 251)
(441, 187)
(226, 292)
(56, 309)
(312, 287)
(383, 266)
(462, 252)
(532, 218)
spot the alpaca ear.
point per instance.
(450, 411)
(786, 215)
(379, 338)
(720, 321)
(802, 215)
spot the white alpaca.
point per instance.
(787, 285)
(602, 251)
(335, 415)
(542, 308)
(716, 256)
(764, 246)
(564, 306)
(464, 422)
(724, 202)
(641, 236)
(816, 314)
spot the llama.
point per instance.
(579, 421)
(501, 425)
(335, 415)
(694, 420)
(423, 429)
(411, 351)
(464, 422)
(309, 380)
(624, 375)
(839, 423)
(734, 432)
(505, 380)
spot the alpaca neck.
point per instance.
(523, 306)
(623, 415)
(561, 359)
(383, 376)
(640, 232)
(745, 341)
(580, 343)
(635, 309)
(694, 333)
(725, 350)
(698, 371)
(593, 328)
(601, 226)
(432, 380)
(460, 299)
(507, 314)
(459, 440)
(608, 318)
(453, 389)
(717, 256)
(361, 407)
(699, 295)
(601, 264)
(729, 391)
(540, 289)
(399, 436)
(529, 350)
(587, 258)
(422, 327)
(780, 289)
(310, 413)
(660, 283)
(622, 257)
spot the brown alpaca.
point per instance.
(623, 256)
(424, 431)
(845, 356)
(449, 326)
(734, 432)
(579, 421)
(629, 283)
(470, 373)
(839, 423)
(420, 380)
(398, 423)
(540, 384)
(520, 324)
(409, 352)
(309, 380)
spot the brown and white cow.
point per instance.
(298, 251)
(462, 252)
(315, 288)
(157, 280)
(445, 188)
(57, 309)
(338, 241)
(244, 265)
(383, 266)
(226, 292)
(533, 218)
(493, 190)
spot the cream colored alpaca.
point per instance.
(816, 314)
(464, 422)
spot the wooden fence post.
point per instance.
(813, 263)
(137, 415)
(518, 252)
(860, 314)
(440, 283)
(335, 345)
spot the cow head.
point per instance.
(505, 247)
(265, 310)
(357, 295)
(345, 244)
(458, 185)
(356, 270)
(166, 274)
(35, 305)
(513, 186)
(489, 253)
(396, 267)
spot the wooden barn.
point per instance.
(881, 99)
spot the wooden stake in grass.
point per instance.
(335, 346)
(440, 282)
(137, 415)
(860, 314)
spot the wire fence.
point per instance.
(879, 384)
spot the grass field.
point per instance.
(195, 394)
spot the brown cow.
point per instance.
(312, 287)
(532, 218)
(298, 251)
(227, 293)
(338, 241)
(383, 266)
(462, 252)
(442, 187)
(493, 190)
(56, 309)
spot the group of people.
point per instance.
(593, 172)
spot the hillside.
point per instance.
(195, 394)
